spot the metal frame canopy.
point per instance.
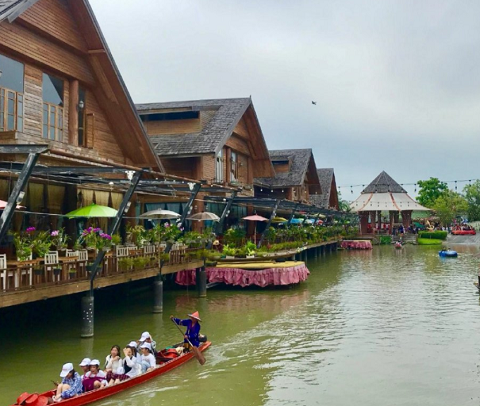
(266, 203)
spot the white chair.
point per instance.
(121, 251)
(82, 261)
(3, 271)
(51, 262)
(28, 271)
(149, 249)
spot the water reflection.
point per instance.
(368, 327)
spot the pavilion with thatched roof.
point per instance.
(384, 194)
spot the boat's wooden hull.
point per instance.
(93, 396)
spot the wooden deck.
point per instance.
(62, 288)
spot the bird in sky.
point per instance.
(314, 102)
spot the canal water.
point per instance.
(381, 327)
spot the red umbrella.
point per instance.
(3, 204)
(255, 217)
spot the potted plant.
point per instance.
(59, 239)
(23, 245)
(250, 248)
(41, 243)
(229, 251)
(125, 263)
(72, 273)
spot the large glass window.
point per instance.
(219, 167)
(52, 90)
(11, 94)
(82, 138)
(234, 167)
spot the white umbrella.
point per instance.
(160, 214)
(205, 216)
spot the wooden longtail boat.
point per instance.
(98, 394)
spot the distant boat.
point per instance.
(448, 253)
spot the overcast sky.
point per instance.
(397, 83)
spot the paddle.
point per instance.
(198, 354)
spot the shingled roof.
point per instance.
(384, 183)
(12, 8)
(299, 162)
(211, 138)
(325, 175)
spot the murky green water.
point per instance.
(373, 328)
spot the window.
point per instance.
(233, 167)
(11, 94)
(52, 91)
(82, 136)
(219, 167)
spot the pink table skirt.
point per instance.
(357, 244)
(243, 277)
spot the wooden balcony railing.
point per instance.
(21, 275)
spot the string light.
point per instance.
(457, 181)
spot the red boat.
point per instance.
(464, 232)
(164, 366)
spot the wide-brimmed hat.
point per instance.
(195, 316)
(145, 335)
(147, 346)
(31, 399)
(39, 401)
(22, 398)
(66, 369)
(85, 362)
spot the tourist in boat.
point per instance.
(85, 365)
(95, 378)
(130, 367)
(147, 338)
(193, 328)
(71, 384)
(112, 362)
(148, 362)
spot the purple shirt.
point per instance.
(192, 331)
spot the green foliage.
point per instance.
(385, 239)
(343, 205)
(428, 241)
(59, 239)
(116, 239)
(472, 195)
(140, 262)
(126, 263)
(41, 243)
(450, 205)
(234, 236)
(438, 235)
(229, 250)
(23, 245)
(430, 190)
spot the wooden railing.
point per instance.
(74, 266)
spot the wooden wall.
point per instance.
(47, 39)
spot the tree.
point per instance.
(430, 190)
(449, 205)
(343, 205)
(472, 195)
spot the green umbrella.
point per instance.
(94, 210)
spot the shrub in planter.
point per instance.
(437, 235)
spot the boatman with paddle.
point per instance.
(191, 337)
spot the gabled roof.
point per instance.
(384, 183)
(325, 175)
(300, 159)
(125, 120)
(210, 138)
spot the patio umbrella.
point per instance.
(93, 210)
(205, 216)
(255, 217)
(3, 204)
(279, 220)
(160, 214)
(297, 221)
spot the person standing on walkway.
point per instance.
(193, 328)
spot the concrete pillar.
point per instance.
(158, 295)
(87, 316)
(201, 276)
